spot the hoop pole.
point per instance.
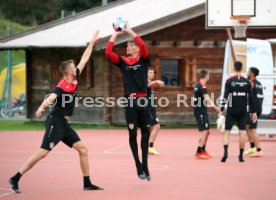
(233, 54)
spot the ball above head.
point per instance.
(119, 24)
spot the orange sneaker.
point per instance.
(200, 156)
(207, 154)
(257, 154)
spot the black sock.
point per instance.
(199, 149)
(145, 145)
(134, 147)
(86, 181)
(252, 144)
(225, 148)
(17, 176)
(203, 148)
(151, 144)
(241, 155)
(225, 155)
(241, 151)
(259, 149)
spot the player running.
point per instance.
(236, 92)
(201, 101)
(255, 148)
(155, 126)
(57, 127)
(134, 69)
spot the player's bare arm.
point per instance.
(45, 104)
(156, 83)
(211, 103)
(87, 53)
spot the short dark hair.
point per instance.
(254, 70)
(203, 73)
(64, 65)
(238, 66)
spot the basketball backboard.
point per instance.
(262, 13)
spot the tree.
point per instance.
(35, 12)
(30, 12)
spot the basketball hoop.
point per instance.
(241, 27)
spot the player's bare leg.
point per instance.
(30, 162)
(226, 139)
(250, 137)
(242, 144)
(153, 134)
(84, 163)
(256, 141)
(201, 144)
(205, 143)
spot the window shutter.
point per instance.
(190, 72)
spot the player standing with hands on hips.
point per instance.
(134, 68)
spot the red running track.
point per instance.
(175, 174)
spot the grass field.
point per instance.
(16, 125)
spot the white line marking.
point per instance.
(110, 151)
(6, 193)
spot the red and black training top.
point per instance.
(200, 90)
(66, 93)
(134, 70)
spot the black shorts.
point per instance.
(250, 123)
(153, 118)
(232, 119)
(137, 116)
(202, 121)
(58, 129)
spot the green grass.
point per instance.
(17, 125)
(14, 125)
(17, 56)
(14, 27)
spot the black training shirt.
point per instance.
(66, 92)
(258, 96)
(236, 91)
(200, 90)
(135, 74)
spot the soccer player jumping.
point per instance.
(57, 127)
(134, 68)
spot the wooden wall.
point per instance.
(43, 74)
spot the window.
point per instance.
(170, 72)
(175, 71)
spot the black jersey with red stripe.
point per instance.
(258, 96)
(134, 70)
(135, 74)
(237, 89)
(200, 90)
(66, 93)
